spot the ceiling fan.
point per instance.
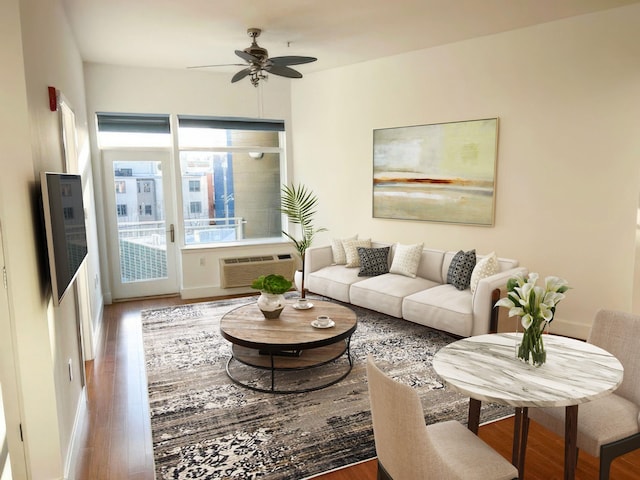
(259, 63)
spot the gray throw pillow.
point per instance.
(373, 261)
(461, 268)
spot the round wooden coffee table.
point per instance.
(289, 343)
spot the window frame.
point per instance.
(280, 150)
(158, 124)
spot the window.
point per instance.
(235, 164)
(121, 209)
(144, 209)
(231, 173)
(195, 207)
(144, 187)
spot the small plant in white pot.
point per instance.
(272, 287)
(299, 205)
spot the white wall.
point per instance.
(567, 94)
(194, 92)
(15, 199)
(52, 59)
(37, 51)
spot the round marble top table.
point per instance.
(485, 368)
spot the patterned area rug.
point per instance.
(207, 427)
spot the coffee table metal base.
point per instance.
(276, 361)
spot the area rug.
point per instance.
(205, 426)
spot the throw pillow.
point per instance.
(406, 260)
(337, 248)
(373, 261)
(461, 268)
(351, 251)
(484, 268)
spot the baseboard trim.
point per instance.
(73, 453)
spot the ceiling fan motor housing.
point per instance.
(254, 49)
(258, 52)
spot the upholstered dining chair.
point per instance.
(410, 450)
(610, 426)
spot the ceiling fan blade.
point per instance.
(291, 60)
(219, 65)
(241, 74)
(283, 71)
(247, 56)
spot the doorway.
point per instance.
(140, 217)
(12, 456)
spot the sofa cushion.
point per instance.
(461, 268)
(384, 293)
(332, 281)
(337, 249)
(485, 267)
(373, 261)
(430, 267)
(406, 259)
(351, 251)
(442, 307)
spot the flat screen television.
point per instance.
(63, 211)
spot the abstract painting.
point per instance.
(443, 172)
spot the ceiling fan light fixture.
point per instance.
(257, 76)
(259, 64)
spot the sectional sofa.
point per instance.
(446, 290)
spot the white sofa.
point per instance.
(426, 299)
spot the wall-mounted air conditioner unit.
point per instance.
(241, 271)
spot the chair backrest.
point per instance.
(619, 334)
(400, 434)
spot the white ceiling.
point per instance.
(182, 33)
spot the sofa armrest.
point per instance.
(483, 299)
(317, 258)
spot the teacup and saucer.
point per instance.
(302, 304)
(323, 321)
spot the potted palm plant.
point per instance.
(299, 205)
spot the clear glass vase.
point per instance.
(531, 347)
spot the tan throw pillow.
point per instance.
(337, 248)
(406, 259)
(351, 251)
(485, 267)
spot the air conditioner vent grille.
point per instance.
(241, 271)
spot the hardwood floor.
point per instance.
(116, 439)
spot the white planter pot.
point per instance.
(297, 280)
(271, 304)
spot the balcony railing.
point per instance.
(197, 231)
